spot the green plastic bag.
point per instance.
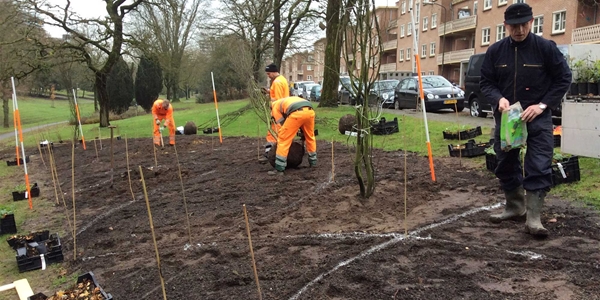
(513, 131)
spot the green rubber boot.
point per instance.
(515, 206)
(535, 201)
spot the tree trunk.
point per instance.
(103, 99)
(333, 49)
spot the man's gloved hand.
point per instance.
(166, 123)
(157, 121)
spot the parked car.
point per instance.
(306, 90)
(475, 100)
(298, 87)
(439, 94)
(384, 91)
(345, 91)
(315, 93)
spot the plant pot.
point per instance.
(557, 138)
(592, 88)
(14, 162)
(491, 162)
(463, 134)
(36, 254)
(470, 149)
(582, 88)
(22, 195)
(574, 90)
(7, 224)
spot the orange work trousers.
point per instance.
(305, 119)
(170, 123)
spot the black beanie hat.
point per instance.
(272, 68)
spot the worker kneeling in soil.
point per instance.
(163, 110)
(293, 113)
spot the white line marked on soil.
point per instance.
(531, 255)
(388, 243)
(104, 216)
(107, 254)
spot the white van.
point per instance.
(299, 87)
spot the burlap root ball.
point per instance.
(190, 128)
(347, 123)
(294, 158)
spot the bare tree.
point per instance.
(361, 53)
(167, 27)
(108, 39)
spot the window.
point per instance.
(410, 5)
(308, 77)
(487, 4)
(409, 29)
(309, 68)
(425, 24)
(424, 51)
(485, 36)
(417, 11)
(311, 58)
(518, 1)
(432, 49)
(407, 53)
(402, 30)
(502, 2)
(559, 18)
(538, 25)
(431, 73)
(401, 55)
(404, 7)
(433, 21)
(500, 32)
(422, 73)
(475, 5)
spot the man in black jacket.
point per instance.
(531, 70)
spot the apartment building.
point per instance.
(300, 66)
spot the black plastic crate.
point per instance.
(35, 192)
(8, 224)
(87, 277)
(557, 140)
(50, 250)
(211, 130)
(28, 263)
(570, 166)
(470, 149)
(464, 134)
(14, 162)
(491, 162)
(384, 127)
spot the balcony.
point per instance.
(586, 35)
(391, 67)
(468, 23)
(393, 24)
(390, 45)
(454, 57)
(457, 1)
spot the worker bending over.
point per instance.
(163, 110)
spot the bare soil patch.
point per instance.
(313, 236)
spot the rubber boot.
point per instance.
(515, 207)
(535, 201)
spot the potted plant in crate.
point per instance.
(461, 132)
(20, 192)
(7, 221)
(565, 168)
(583, 75)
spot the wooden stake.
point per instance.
(128, 171)
(57, 184)
(162, 280)
(258, 142)
(332, 162)
(155, 159)
(112, 156)
(51, 163)
(187, 216)
(73, 195)
(96, 148)
(459, 149)
(42, 154)
(252, 253)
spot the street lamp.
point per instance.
(444, 33)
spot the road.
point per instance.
(12, 134)
(446, 116)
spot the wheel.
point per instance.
(475, 108)
(397, 104)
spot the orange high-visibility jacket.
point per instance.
(159, 113)
(282, 108)
(279, 88)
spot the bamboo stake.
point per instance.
(405, 178)
(128, 171)
(42, 154)
(187, 216)
(53, 167)
(162, 280)
(73, 195)
(50, 162)
(252, 253)
(258, 142)
(459, 144)
(100, 137)
(332, 162)
(155, 159)
(96, 148)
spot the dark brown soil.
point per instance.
(313, 236)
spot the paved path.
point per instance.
(12, 133)
(446, 116)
